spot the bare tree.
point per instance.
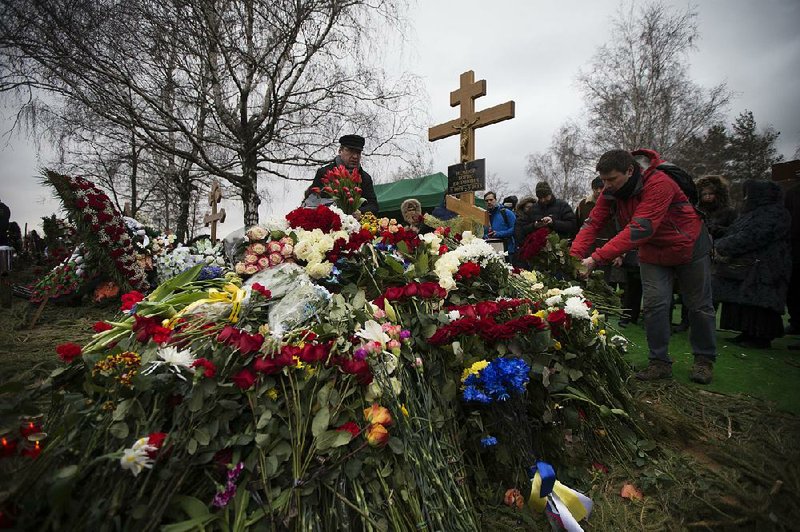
(637, 90)
(237, 88)
(566, 165)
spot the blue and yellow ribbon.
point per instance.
(565, 504)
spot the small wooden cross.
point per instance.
(214, 197)
(465, 126)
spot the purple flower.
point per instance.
(405, 334)
(360, 354)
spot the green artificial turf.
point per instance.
(770, 374)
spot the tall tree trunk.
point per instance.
(249, 192)
(184, 187)
(134, 177)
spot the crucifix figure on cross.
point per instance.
(465, 126)
(214, 197)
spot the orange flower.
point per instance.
(377, 435)
(378, 414)
(513, 498)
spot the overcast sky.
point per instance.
(528, 51)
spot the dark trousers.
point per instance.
(632, 295)
(695, 279)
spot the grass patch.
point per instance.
(768, 374)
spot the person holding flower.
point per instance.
(349, 156)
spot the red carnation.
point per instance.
(468, 270)
(68, 352)
(156, 439)
(350, 427)
(314, 352)
(261, 289)
(410, 290)
(209, 368)
(229, 335)
(130, 299)
(244, 379)
(101, 326)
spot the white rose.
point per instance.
(319, 270)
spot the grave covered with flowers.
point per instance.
(339, 374)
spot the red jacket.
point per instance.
(657, 219)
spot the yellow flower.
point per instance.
(263, 330)
(542, 314)
(404, 410)
(557, 345)
(272, 393)
(473, 369)
(602, 332)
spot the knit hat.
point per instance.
(543, 189)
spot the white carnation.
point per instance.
(553, 301)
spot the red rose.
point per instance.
(229, 335)
(249, 343)
(443, 249)
(394, 293)
(101, 326)
(314, 352)
(350, 427)
(68, 352)
(244, 379)
(427, 290)
(557, 318)
(359, 368)
(468, 270)
(209, 368)
(411, 290)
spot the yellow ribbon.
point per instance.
(230, 293)
(567, 496)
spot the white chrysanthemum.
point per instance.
(453, 315)
(276, 224)
(179, 359)
(576, 307)
(349, 223)
(572, 291)
(553, 301)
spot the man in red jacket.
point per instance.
(659, 221)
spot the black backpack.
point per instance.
(683, 179)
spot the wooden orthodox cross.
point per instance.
(214, 197)
(465, 126)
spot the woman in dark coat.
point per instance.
(753, 266)
(715, 203)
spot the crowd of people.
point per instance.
(640, 227)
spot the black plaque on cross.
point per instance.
(466, 177)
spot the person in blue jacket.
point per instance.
(501, 222)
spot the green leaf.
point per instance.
(196, 400)
(181, 279)
(264, 419)
(320, 422)
(191, 506)
(402, 247)
(396, 445)
(359, 299)
(121, 410)
(262, 440)
(119, 430)
(422, 264)
(191, 446)
(333, 438)
(192, 525)
(394, 264)
(202, 436)
(575, 374)
(353, 467)
(66, 472)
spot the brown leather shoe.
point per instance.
(655, 370)
(702, 371)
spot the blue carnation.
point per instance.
(488, 441)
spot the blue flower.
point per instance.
(209, 272)
(488, 441)
(497, 381)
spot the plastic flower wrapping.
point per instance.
(337, 375)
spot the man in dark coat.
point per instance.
(553, 213)
(350, 148)
(5, 218)
(656, 218)
(754, 265)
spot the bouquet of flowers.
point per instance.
(344, 186)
